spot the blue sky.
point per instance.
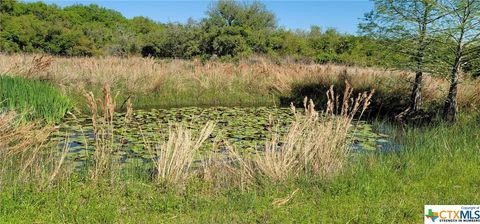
(341, 14)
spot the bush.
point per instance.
(35, 99)
(325, 58)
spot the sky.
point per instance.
(343, 15)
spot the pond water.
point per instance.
(246, 128)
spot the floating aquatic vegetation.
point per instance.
(245, 128)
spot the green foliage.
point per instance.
(233, 13)
(226, 41)
(408, 28)
(473, 67)
(324, 58)
(230, 29)
(173, 41)
(35, 99)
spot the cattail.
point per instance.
(92, 105)
(108, 103)
(305, 101)
(331, 101)
(346, 97)
(129, 113)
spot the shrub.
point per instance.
(325, 58)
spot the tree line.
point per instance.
(230, 29)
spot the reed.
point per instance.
(32, 98)
(103, 115)
(316, 143)
(257, 81)
(15, 136)
(27, 155)
(174, 157)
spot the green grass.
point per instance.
(35, 99)
(437, 165)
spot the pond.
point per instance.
(246, 128)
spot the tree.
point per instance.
(233, 13)
(407, 23)
(7, 6)
(173, 41)
(26, 32)
(233, 28)
(224, 42)
(143, 25)
(461, 29)
(288, 43)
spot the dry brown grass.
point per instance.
(103, 128)
(143, 75)
(174, 157)
(315, 143)
(27, 155)
(15, 137)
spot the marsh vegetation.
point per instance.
(298, 127)
(189, 163)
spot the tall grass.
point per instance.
(174, 157)
(25, 152)
(258, 81)
(103, 115)
(316, 144)
(35, 99)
